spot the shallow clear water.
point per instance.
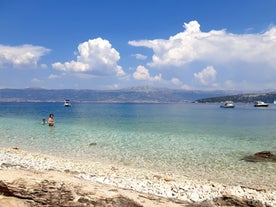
(200, 140)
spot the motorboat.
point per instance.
(67, 103)
(228, 104)
(260, 104)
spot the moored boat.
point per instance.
(67, 103)
(260, 104)
(228, 104)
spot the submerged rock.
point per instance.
(264, 156)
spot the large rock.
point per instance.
(237, 202)
(52, 193)
(19, 188)
(264, 156)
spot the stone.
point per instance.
(52, 193)
(238, 202)
(4, 190)
(263, 156)
(13, 202)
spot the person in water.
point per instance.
(51, 121)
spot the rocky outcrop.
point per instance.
(52, 193)
(35, 189)
(55, 189)
(264, 156)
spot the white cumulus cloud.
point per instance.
(96, 56)
(176, 81)
(215, 46)
(206, 76)
(142, 73)
(21, 56)
(140, 56)
(53, 76)
(36, 80)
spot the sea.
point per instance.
(201, 141)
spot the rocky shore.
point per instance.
(28, 179)
(32, 188)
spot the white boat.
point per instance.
(228, 104)
(274, 102)
(67, 103)
(260, 104)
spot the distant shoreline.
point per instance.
(92, 102)
(133, 95)
(136, 94)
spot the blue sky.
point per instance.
(108, 44)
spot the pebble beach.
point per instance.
(167, 186)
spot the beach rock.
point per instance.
(263, 156)
(237, 202)
(93, 144)
(34, 188)
(52, 193)
(4, 190)
(12, 202)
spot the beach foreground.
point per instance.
(32, 188)
(30, 179)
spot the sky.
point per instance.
(115, 44)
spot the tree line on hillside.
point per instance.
(241, 98)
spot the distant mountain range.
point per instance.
(130, 95)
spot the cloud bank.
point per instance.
(21, 56)
(191, 59)
(215, 46)
(95, 56)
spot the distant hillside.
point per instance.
(130, 95)
(242, 98)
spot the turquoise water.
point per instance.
(200, 140)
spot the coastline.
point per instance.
(167, 187)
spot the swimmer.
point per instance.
(51, 121)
